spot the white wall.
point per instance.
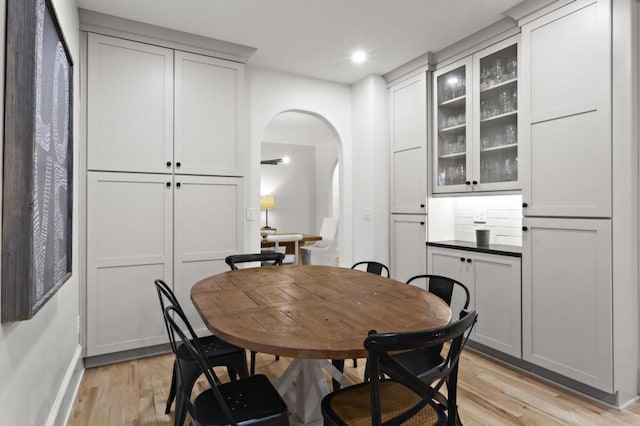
(272, 92)
(293, 187)
(370, 170)
(39, 356)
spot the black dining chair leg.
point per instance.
(355, 363)
(253, 363)
(172, 390)
(339, 364)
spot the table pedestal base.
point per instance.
(303, 386)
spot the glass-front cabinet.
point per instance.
(476, 122)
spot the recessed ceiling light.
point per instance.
(286, 160)
(359, 56)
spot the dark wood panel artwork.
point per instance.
(37, 193)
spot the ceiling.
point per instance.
(316, 38)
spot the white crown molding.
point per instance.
(420, 64)
(152, 34)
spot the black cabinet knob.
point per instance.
(525, 205)
(468, 183)
(462, 259)
(468, 260)
(168, 163)
(524, 228)
(178, 184)
(475, 182)
(422, 206)
(421, 223)
(168, 184)
(178, 164)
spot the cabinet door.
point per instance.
(208, 228)
(408, 246)
(209, 94)
(495, 109)
(129, 106)
(567, 297)
(452, 124)
(497, 301)
(129, 245)
(456, 264)
(566, 142)
(408, 127)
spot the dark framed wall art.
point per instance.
(37, 192)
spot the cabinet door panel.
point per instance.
(450, 263)
(125, 132)
(208, 228)
(567, 312)
(408, 246)
(408, 103)
(497, 301)
(566, 140)
(207, 114)
(409, 181)
(129, 244)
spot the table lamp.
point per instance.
(267, 203)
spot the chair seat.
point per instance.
(213, 346)
(253, 401)
(352, 405)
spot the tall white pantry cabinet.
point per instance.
(164, 183)
(579, 233)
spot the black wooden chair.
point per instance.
(402, 398)
(373, 267)
(423, 362)
(265, 259)
(217, 351)
(249, 401)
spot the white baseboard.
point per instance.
(61, 409)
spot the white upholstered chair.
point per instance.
(289, 259)
(323, 252)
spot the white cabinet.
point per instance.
(142, 227)
(408, 246)
(129, 245)
(206, 231)
(476, 122)
(567, 104)
(408, 134)
(130, 106)
(495, 287)
(163, 140)
(567, 298)
(208, 98)
(134, 98)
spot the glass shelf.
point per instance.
(453, 128)
(496, 118)
(454, 103)
(454, 155)
(499, 85)
(498, 148)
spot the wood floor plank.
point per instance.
(135, 392)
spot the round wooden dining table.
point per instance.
(311, 313)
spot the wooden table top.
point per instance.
(311, 311)
(305, 237)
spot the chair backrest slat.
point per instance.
(373, 268)
(269, 258)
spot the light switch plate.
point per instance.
(250, 214)
(479, 216)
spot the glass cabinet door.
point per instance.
(452, 121)
(497, 102)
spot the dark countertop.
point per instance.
(500, 249)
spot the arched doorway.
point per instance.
(300, 155)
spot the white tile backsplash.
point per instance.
(503, 218)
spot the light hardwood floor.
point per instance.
(135, 392)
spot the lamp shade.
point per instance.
(267, 202)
